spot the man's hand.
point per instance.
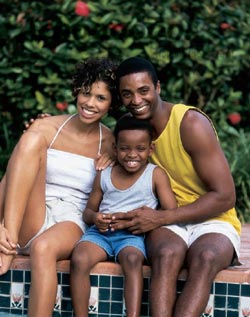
(27, 124)
(137, 221)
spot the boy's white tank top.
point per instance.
(69, 176)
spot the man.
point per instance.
(203, 233)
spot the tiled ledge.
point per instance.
(238, 274)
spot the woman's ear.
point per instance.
(114, 147)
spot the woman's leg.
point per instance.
(54, 244)
(24, 190)
(131, 260)
(84, 257)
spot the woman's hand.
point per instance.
(103, 160)
(7, 246)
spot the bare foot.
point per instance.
(5, 262)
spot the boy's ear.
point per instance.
(151, 149)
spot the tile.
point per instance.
(58, 302)
(220, 288)
(233, 289)
(4, 301)
(219, 313)
(17, 294)
(117, 282)
(93, 300)
(104, 281)
(116, 308)
(219, 301)
(245, 290)
(209, 310)
(5, 288)
(17, 276)
(244, 310)
(233, 302)
(104, 294)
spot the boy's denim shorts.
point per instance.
(112, 242)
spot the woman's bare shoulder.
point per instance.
(48, 126)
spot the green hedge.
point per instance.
(201, 50)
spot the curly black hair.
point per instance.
(92, 70)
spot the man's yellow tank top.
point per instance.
(171, 156)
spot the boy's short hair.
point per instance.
(136, 65)
(128, 122)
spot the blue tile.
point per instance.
(219, 313)
(26, 289)
(27, 276)
(233, 289)
(117, 282)
(232, 313)
(104, 293)
(6, 277)
(15, 311)
(17, 276)
(94, 280)
(5, 301)
(104, 281)
(5, 288)
(66, 291)
(219, 301)
(65, 279)
(116, 308)
(233, 302)
(220, 288)
(104, 307)
(117, 295)
(66, 305)
(245, 290)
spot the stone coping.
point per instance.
(237, 274)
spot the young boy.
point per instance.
(130, 184)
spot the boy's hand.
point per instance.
(102, 221)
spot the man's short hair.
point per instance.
(136, 65)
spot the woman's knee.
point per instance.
(40, 248)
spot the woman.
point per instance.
(48, 180)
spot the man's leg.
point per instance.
(166, 251)
(208, 255)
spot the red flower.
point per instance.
(225, 26)
(62, 105)
(116, 26)
(82, 8)
(234, 118)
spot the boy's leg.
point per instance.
(85, 256)
(24, 188)
(131, 260)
